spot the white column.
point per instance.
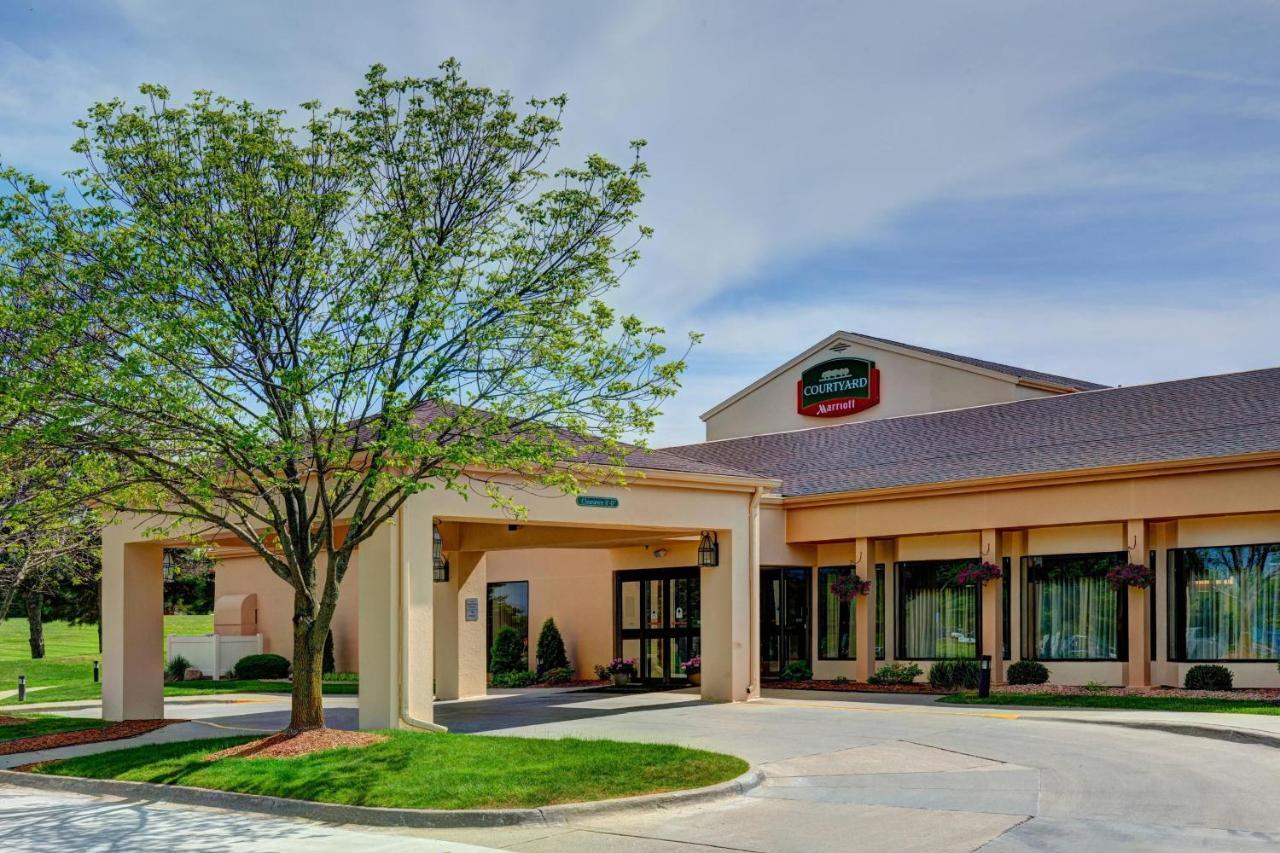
(417, 565)
(461, 644)
(726, 616)
(132, 628)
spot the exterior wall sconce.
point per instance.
(709, 549)
(439, 565)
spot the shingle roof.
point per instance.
(1210, 416)
(997, 367)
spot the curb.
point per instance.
(375, 816)
(1234, 734)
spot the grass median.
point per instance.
(425, 771)
(1119, 702)
(36, 725)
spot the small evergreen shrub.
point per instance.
(519, 678)
(840, 679)
(508, 653)
(551, 653)
(261, 666)
(326, 661)
(1027, 672)
(1208, 676)
(559, 675)
(177, 668)
(952, 674)
(896, 673)
(797, 670)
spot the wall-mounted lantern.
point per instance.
(439, 565)
(709, 549)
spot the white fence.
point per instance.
(214, 654)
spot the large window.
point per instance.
(836, 619)
(1226, 602)
(1071, 611)
(936, 617)
(508, 605)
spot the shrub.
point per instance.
(896, 673)
(797, 670)
(342, 676)
(1207, 676)
(839, 679)
(518, 678)
(602, 672)
(177, 668)
(261, 666)
(1027, 672)
(551, 653)
(326, 661)
(1095, 687)
(559, 675)
(508, 653)
(950, 674)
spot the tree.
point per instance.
(284, 333)
(508, 653)
(551, 653)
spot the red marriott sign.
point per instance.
(838, 387)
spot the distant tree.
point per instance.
(551, 652)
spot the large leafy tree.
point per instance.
(281, 333)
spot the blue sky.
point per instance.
(1087, 189)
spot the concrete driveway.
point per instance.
(844, 772)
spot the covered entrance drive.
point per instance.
(658, 619)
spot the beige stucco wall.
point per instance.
(909, 384)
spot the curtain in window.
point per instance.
(1232, 602)
(940, 619)
(1074, 618)
(836, 628)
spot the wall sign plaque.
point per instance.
(838, 387)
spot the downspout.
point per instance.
(412, 722)
(753, 582)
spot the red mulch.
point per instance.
(581, 682)
(115, 731)
(11, 721)
(286, 745)
(854, 687)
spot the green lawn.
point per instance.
(66, 671)
(1132, 703)
(35, 725)
(425, 771)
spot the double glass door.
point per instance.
(784, 618)
(658, 618)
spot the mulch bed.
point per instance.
(12, 721)
(286, 745)
(115, 731)
(854, 687)
(581, 682)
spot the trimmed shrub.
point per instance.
(797, 670)
(951, 674)
(261, 666)
(177, 668)
(326, 661)
(1027, 672)
(508, 653)
(1208, 676)
(559, 675)
(896, 673)
(519, 678)
(551, 653)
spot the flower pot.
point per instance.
(695, 678)
(621, 679)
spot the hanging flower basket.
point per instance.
(976, 574)
(847, 586)
(1131, 574)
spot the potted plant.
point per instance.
(693, 669)
(1131, 574)
(622, 670)
(847, 586)
(978, 573)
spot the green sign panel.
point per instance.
(597, 502)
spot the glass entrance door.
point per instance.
(658, 619)
(784, 619)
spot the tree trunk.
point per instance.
(35, 623)
(308, 651)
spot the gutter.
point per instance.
(753, 581)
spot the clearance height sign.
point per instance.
(838, 387)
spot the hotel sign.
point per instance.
(838, 387)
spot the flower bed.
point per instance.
(1264, 694)
(853, 687)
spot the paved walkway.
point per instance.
(844, 772)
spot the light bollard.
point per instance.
(984, 676)
(22, 688)
(95, 672)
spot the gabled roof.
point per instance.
(1211, 416)
(1017, 375)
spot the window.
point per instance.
(836, 619)
(508, 605)
(1071, 611)
(879, 611)
(1226, 602)
(936, 618)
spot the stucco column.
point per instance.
(726, 609)
(1139, 669)
(379, 653)
(460, 643)
(132, 628)
(992, 595)
(416, 561)
(864, 615)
